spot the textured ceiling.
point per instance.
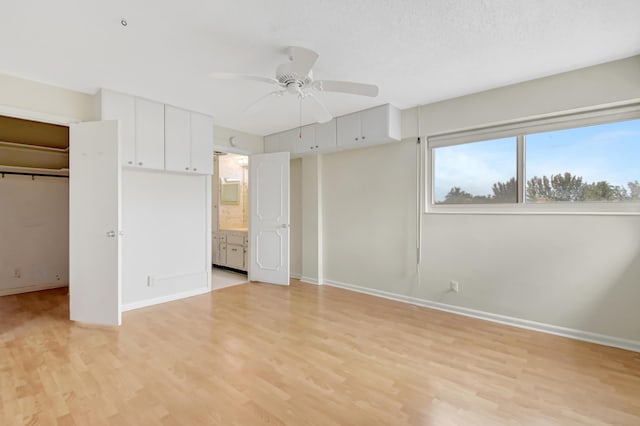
(416, 51)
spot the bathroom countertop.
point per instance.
(235, 229)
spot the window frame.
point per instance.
(520, 129)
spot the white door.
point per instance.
(269, 218)
(94, 219)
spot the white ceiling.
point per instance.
(416, 51)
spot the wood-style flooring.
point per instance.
(258, 354)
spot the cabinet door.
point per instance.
(201, 143)
(222, 254)
(177, 139)
(235, 256)
(149, 134)
(272, 143)
(289, 140)
(375, 125)
(215, 249)
(349, 130)
(305, 140)
(326, 136)
(236, 238)
(116, 106)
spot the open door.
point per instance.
(269, 218)
(94, 221)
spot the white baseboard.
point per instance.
(309, 280)
(163, 299)
(295, 275)
(30, 288)
(601, 339)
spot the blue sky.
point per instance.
(608, 152)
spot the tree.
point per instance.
(604, 191)
(505, 192)
(634, 190)
(457, 196)
(560, 187)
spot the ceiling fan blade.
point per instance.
(346, 87)
(232, 76)
(262, 102)
(302, 60)
(321, 114)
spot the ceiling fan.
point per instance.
(296, 78)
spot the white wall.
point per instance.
(34, 233)
(369, 217)
(604, 84)
(312, 240)
(579, 272)
(24, 98)
(246, 143)
(165, 230)
(295, 176)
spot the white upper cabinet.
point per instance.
(149, 134)
(188, 141)
(201, 143)
(272, 143)
(117, 106)
(317, 138)
(311, 139)
(141, 130)
(281, 142)
(349, 130)
(365, 128)
(158, 136)
(177, 139)
(370, 127)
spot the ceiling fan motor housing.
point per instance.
(293, 82)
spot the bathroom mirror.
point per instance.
(230, 193)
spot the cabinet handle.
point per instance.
(186, 168)
(234, 249)
(356, 138)
(363, 138)
(130, 162)
(316, 146)
(195, 170)
(140, 163)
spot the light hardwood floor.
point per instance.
(259, 354)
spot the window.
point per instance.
(476, 173)
(588, 162)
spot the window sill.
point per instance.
(595, 209)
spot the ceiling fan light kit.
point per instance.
(296, 78)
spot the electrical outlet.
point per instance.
(454, 286)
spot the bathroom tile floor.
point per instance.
(222, 278)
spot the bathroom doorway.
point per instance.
(230, 219)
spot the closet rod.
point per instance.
(33, 174)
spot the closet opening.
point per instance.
(34, 215)
(230, 219)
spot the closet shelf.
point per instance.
(36, 171)
(32, 147)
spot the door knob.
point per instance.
(111, 234)
(285, 225)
